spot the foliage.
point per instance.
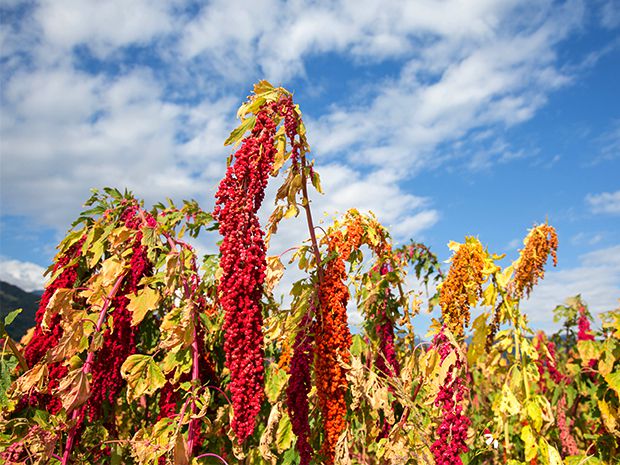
(145, 353)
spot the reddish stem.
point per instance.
(210, 454)
(191, 432)
(306, 205)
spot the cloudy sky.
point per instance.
(446, 118)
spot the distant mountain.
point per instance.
(12, 297)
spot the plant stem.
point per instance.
(310, 222)
(210, 454)
(191, 432)
(20, 357)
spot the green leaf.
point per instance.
(316, 182)
(237, 134)
(143, 376)
(7, 365)
(284, 435)
(276, 379)
(613, 379)
(11, 316)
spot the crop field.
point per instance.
(147, 352)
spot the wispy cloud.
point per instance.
(605, 202)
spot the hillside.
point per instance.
(12, 297)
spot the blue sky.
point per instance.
(445, 118)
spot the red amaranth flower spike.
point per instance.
(584, 330)
(243, 265)
(107, 381)
(548, 363)
(385, 331)
(299, 387)
(44, 340)
(452, 431)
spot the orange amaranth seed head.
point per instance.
(540, 242)
(333, 342)
(463, 285)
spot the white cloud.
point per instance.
(596, 278)
(75, 131)
(499, 79)
(25, 275)
(103, 26)
(605, 202)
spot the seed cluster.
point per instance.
(584, 331)
(462, 287)
(44, 339)
(452, 431)
(569, 445)
(546, 363)
(333, 342)
(243, 265)
(119, 342)
(298, 389)
(539, 243)
(386, 359)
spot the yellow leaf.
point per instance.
(504, 277)
(262, 87)
(74, 390)
(549, 454)
(531, 448)
(489, 296)
(143, 376)
(606, 362)
(181, 453)
(453, 246)
(316, 182)
(588, 350)
(62, 299)
(284, 435)
(177, 328)
(509, 403)
(275, 381)
(145, 300)
(479, 339)
(96, 250)
(291, 211)
(267, 437)
(71, 343)
(274, 272)
(35, 377)
(534, 413)
(110, 271)
(610, 416)
(280, 157)
(179, 360)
